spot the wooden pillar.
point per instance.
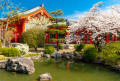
(67, 34)
(86, 37)
(56, 38)
(77, 37)
(115, 38)
(107, 39)
(16, 35)
(91, 42)
(46, 38)
(23, 27)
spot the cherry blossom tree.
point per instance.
(99, 22)
(38, 22)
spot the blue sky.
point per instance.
(71, 8)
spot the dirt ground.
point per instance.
(42, 49)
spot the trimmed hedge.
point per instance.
(61, 46)
(79, 47)
(10, 52)
(91, 53)
(49, 50)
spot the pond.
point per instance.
(63, 71)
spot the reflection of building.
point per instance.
(21, 24)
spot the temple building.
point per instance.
(21, 24)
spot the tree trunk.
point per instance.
(35, 48)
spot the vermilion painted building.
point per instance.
(21, 25)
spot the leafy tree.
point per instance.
(56, 20)
(8, 23)
(33, 37)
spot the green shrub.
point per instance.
(4, 51)
(10, 52)
(49, 50)
(13, 52)
(88, 46)
(31, 55)
(61, 46)
(0, 46)
(33, 37)
(79, 47)
(110, 53)
(91, 53)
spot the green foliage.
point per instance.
(4, 51)
(49, 50)
(87, 46)
(57, 25)
(61, 46)
(79, 47)
(31, 55)
(33, 37)
(0, 45)
(10, 52)
(91, 53)
(54, 31)
(59, 12)
(53, 39)
(59, 19)
(110, 53)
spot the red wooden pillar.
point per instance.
(23, 27)
(91, 42)
(77, 37)
(107, 39)
(16, 35)
(86, 37)
(56, 38)
(115, 38)
(46, 38)
(67, 34)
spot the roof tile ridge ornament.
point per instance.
(42, 5)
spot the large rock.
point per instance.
(56, 55)
(20, 64)
(3, 64)
(47, 55)
(67, 55)
(44, 77)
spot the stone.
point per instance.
(56, 55)
(44, 77)
(20, 64)
(47, 55)
(67, 55)
(3, 64)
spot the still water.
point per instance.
(63, 71)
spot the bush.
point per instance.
(79, 47)
(110, 53)
(0, 46)
(31, 55)
(61, 46)
(24, 48)
(91, 53)
(10, 52)
(4, 51)
(49, 50)
(33, 37)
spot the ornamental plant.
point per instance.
(33, 37)
(49, 50)
(24, 48)
(79, 47)
(10, 52)
(91, 53)
(99, 23)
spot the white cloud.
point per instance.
(75, 16)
